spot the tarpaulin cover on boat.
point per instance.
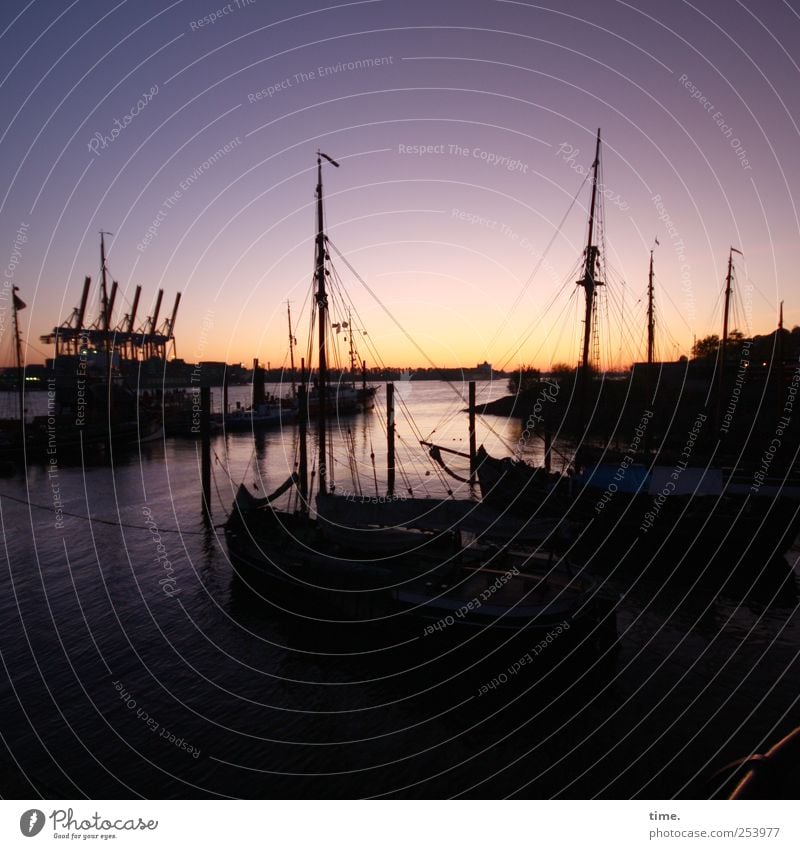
(631, 479)
(689, 481)
(428, 514)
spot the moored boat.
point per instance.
(663, 502)
(402, 563)
(260, 417)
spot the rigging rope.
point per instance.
(374, 296)
(436, 454)
(115, 524)
(542, 258)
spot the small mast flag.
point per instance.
(19, 304)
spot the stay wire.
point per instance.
(529, 281)
(114, 524)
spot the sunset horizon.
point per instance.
(401, 401)
(466, 227)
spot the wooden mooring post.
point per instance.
(205, 449)
(390, 461)
(473, 463)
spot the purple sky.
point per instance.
(208, 185)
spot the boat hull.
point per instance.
(414, 597)
(733, 527)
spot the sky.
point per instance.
(464, 131)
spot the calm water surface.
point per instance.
(112, 687)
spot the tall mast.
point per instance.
(18, 305)
(390, 458)
(104, 283)
(589, 283)
(352, 350)
(106, 318)
(302, 416)
(723, 345)
(291, 347)
(322, 317)
(779, 369)
(80, 316)
(105, 314)
(650, 319)
(726, 312)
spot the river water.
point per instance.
(120, 679)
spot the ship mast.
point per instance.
(352, 350)
(302, 419)
(291, 347)
(650, 318)
(589, 284)
(726, 313)
(18, 305)
(779, 369)
(106, 317)
(723, 345)
(322, 318)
